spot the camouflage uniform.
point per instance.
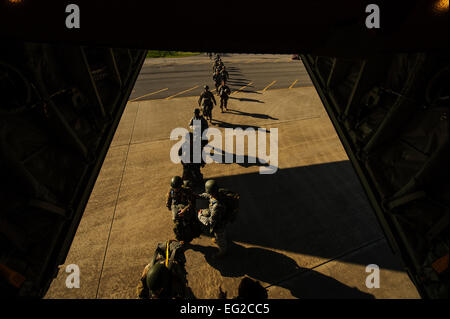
(191, 170)
(178, 288)
(217, 78)
(224, 75)
(208, 99)
(177, 200)
(186, 227)
(192, 228)
(224, 92)
(217, 64)
(203, 123)
(212, 218)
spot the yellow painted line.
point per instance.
(242, 88)
(292, 85)
(162, 90)
(172, 96)
(269, 85)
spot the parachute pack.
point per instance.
(231, 202)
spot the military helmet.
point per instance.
(176, 182)
(206, 87)
(158, 278)
(197, 111)
(211, 186)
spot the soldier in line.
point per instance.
(193, 227)
(224, 74)
(203, 122)
(165, 277)
(214, 216)
(191, 169)
(217, 78)
(217, 62)
(187, 185)
(218, 66)
(181, 202)
(208, 98)
(224, 93)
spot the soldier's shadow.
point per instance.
(278, 270)
(248, 161)
(223, 124)
(256, 115)
(244, 100)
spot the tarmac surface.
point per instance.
(181, 77)
(307, 231)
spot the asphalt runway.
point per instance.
(158, 81)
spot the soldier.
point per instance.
(187, 184)
(191, 169)
(224, 93)
(194, 228)
(165, 276)
(216, 64)
(214, 216)
(217, 77)
(224, 74)
(208, 99)
(179, 201)
(203, 125)
(197, 116)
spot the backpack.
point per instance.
(231, 202)
(207, 97)
(225, 90)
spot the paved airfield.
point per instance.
(306, 231)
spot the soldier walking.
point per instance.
(165, 277)
(217, 78)
(198, 117)
(191, 165)
(224, 74)
(203, 126)
(224, 93)
(208, 99)
(217, 62)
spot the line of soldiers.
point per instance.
(165, 276)
(220, 77)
